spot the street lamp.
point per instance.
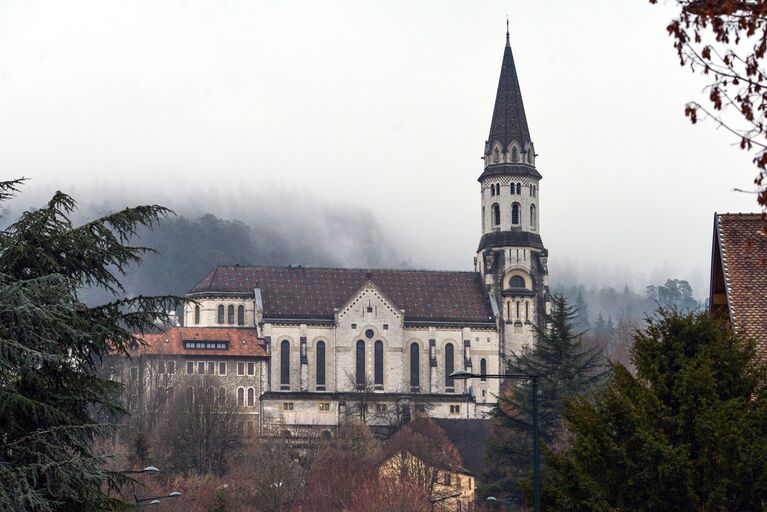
(148, 469)
(507, 501)
(443, 498)
(463, 374)
(153, 500)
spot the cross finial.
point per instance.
(507, 29)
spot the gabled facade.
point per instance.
(738, 292)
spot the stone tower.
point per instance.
(511, 256)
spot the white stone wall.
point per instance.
(505, 200)
(209, 312)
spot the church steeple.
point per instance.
(509, 122)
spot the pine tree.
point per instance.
(53, 405)
(581, 310)
(688, 432)
(564, 368)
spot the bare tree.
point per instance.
(726, 40)
(201, 430)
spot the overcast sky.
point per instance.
(382, 105)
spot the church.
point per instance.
(380, 344)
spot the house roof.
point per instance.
(240, 342)
(316, 293)
(509, 120)
(468, 437)
(740, 258)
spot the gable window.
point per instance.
(514, 154)
(449, 365)
(230, 314)
(240, 315)
(496, 213)
(321, 364)
(221, 314)
(360, 365)
(415, 366)
(532, 215)
(197, 314)
(483, 369)
(378, 365)
(285, 363)
(515, 214)
(517, 282)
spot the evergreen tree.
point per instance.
(564, 367)
(581, 310)
(688, 432)
(53, 405)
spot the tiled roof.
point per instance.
(468, 436)
(743, 253)
(315, 293)
(509, 121)
(241, 342)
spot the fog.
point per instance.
(350, 133)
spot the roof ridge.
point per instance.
(355, 269)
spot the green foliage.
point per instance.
(564, 367)
(688, 432)
(675, 293)
(52, 404)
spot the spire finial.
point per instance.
(507, 29)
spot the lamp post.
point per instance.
(463, 374)
(153, 500)
(443, 498)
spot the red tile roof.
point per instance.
(742, 250)
(315, 293)
(241, 342)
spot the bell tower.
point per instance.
(511, 256)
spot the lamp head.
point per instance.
(461, 375)
(174, 494)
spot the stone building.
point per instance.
(178, 361)
(381, 344)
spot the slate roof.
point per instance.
(740, 246)
(315, 293)
(468, 437)
(509, 121)
(242, 342)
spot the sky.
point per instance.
(378, 106)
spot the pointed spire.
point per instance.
(509, 121)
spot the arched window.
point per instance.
(378, 366)
(492, 190)
(483, 369)
(514, 154)
(415, 366)
(285, 363)
(449, 364)
(515, 214)
(532, 215)
(360, 365)
(517, 310)
(320, 363)
(517, 282)
(230, 316)
(240, 315)
(512, 189)
(519, 189)
(221, 314)
(197, 314)
(498, 189)
(189, 396)
(483, 218)
(496, 154)
(496, 212)
(251, 397)
(240, 397)
(222, 395)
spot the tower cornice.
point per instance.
(510, 170)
